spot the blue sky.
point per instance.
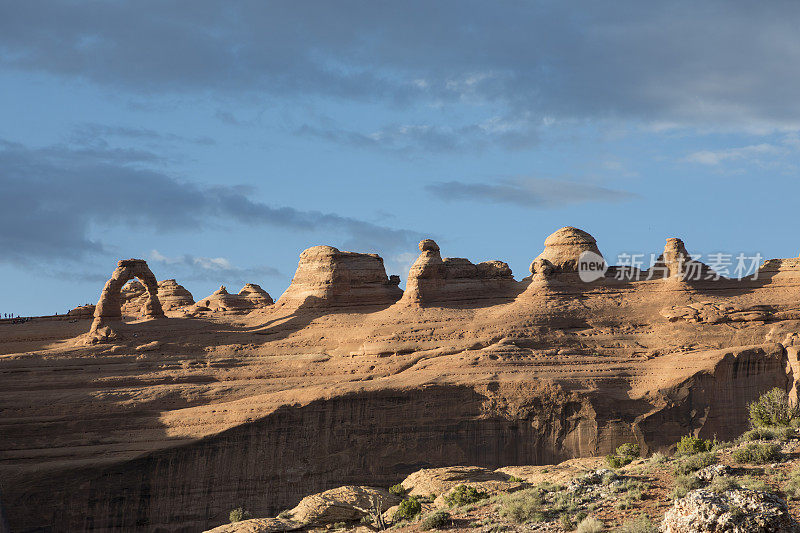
(218, 140)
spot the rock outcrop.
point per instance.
(562, 252)
(734, 511)
(434, 280)
(251, 297)
(173, 295)
(257, 296)
(83, 311)
(328, 277)
(109, 308)
(222, 300)
(676, 263)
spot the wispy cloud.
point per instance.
(217, 269)
(52, 197)
(715, 157)
(540, 193)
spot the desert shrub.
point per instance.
(722, 484)
(522, 506)
(608, 478)
(757, 453)
(693, 463)
(773, 408)
(515, 479)
(566, 522)
(435, 520)
(564, 501)
(684, 483)
(792, 486)
(590, 525)
(398, 490)
(285, 515)
(658, 458)
(624, 455)
(629, 449)
(641, 524)
(579, 516)
(464, 495)
(768, 433)
(239, 514)
(753, 483)
(339, 525)
(690, 445)
(409, 508)
(624, 503)
(636, 489)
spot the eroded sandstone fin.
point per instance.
(327, 277)
(433, 279)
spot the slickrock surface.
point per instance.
(174, 422)
(326, 277)
(83, 311)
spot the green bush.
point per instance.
(398, 490)
(239, 514)
(753, 483)
(590, 525)
(722, 484)
(566, 522)
(792, 486)
(693, 463)
(684, 483)
(464, 495)
(690, 445)
(757, 453)
(409, 508)
(435, 520)
(773, 408)
(768, 433)
(515, 479)
(624, 455)
(522, 506)
(638, 525)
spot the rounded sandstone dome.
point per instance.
(563, 249)
(316, 251)
(428, 245)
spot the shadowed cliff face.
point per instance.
(380, 437)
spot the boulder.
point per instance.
(342, 504)
(173, 295)
(327, 277)
(433, 279)
(735, 511)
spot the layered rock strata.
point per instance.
(436, 280)
(326, 277)
(173, 295)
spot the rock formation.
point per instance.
(173, 295)
(433, 280)
(95, 436)
(132, 297)
(108, 308)
(676, 263)
(327, 277)
(562, 251)
(83, 311)
(257, 296)
(222, 300)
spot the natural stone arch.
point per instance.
(109, 308)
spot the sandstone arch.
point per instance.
(109, 308)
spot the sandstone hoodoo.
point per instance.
(326, 277)
(676, 263)
(256, 296)
(433, 279)
(173, 295)
(109, 308)
(361, 389)
(562, 251)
